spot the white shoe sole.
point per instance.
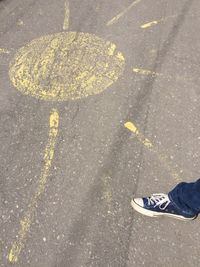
(158, 214)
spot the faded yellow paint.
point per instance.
(120, 15)
(147, 143)
(120, 56)
(129, 125)
(26, 222)
(156, 74)
(66, 16)
(149, 24)
(20, 22)
(111, 49)
(168, 165)
(155, 22)
(145, 72)
(66, 66)
(4, 51)
(107, 191)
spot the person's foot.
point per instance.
(160, 205)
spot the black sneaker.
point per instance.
(160, 205)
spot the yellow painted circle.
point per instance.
(66, 66)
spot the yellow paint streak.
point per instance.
(120, 15)
(66, 66)
(141, 138)
(107, 191)
(155, 22)
(66, 18)
(27, 220)
(4, 51)
(145, 72)
(149, 24)
(162, 158)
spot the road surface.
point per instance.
(71, 75)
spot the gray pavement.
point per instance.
(84, 217)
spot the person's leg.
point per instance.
(183, 202)
(186, 196)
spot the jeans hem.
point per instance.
(182, 210)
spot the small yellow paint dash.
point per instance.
(20, 22)
(149, 24)
(129, 125)
(120, 15)
(155, 22)
(66, 16)
(4, 51)
(145, 72)
(27, 220)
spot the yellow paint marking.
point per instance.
(116, 18)
(154, 74)
(141, 138)
(26, 222)
(145, 72)
(4, 51)
(20, 22)
(120, 56)
(107, 191)
(155, 22)
(66, 18)
(149, 24)
(66, 66)
(111, 49)
(162, 158)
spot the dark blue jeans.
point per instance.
(186, 196)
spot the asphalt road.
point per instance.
(71, 208)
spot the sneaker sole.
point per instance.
(158, 214)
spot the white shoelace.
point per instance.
(160, 200)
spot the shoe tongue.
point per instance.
(161, 197)
(156, 198)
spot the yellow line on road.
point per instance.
(27, 220)
(66, 18)
(168, 165)
(116, 18)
